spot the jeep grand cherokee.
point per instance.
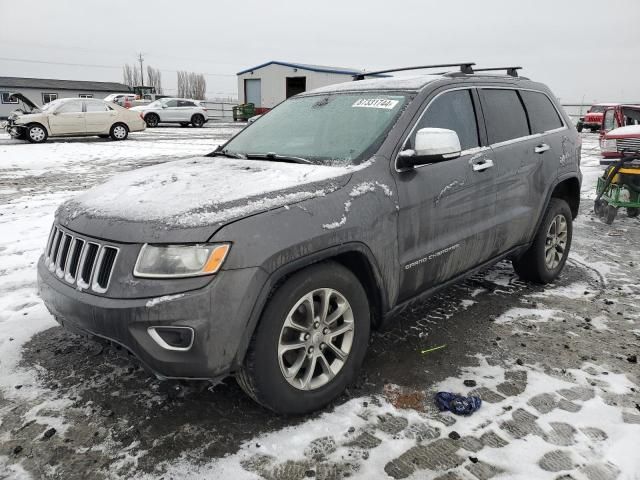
(273, 257)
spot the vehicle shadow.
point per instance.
(140, 413)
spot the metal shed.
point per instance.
(270, 83)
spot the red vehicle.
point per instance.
(593, 118)
(620, 130)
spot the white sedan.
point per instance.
(73, 117)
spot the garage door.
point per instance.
(252, 91)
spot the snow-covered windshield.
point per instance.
(343, 128)
(156, 104)
(597, 109)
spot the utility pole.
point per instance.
(141, 60)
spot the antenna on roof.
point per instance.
(465, 67)
(511, 71)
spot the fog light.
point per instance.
(173, 338)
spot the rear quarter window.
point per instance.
(504, 115)
(542, 114)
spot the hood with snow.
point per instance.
(188, 200)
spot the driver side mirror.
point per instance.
(432, 145)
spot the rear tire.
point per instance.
(119, 131)
(184, 125)
(316, 372)
(36, 133)
(610, 214)
(633, 212)
(152, 120)
(197, 120)
(548, 253)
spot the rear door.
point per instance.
(99, 117)
(68, 119)
(446, 210)
(186, 109)
(521, 170)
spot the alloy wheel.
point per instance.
(556, 242)
(316, 339)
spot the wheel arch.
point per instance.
(568, 189)
(41, 124)
(355, 256)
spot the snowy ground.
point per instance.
(554, 366)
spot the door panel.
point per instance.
(68, 119)
(253, 91)
(98, 117)
(446, 221)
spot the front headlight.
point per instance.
(174, 261)
(609, 146)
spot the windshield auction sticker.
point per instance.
(383, 103)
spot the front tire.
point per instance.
(119, 131)
(197, 120)
(548, 253)
(632, 212)
(152, 120)
(310, 342)
(36, 133)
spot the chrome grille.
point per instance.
(628, 144)
(79, 261)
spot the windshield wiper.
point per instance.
(224, 153)
(278, 158)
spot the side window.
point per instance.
(542, 114)
(504, 115)
(96, 107)
(609, 119)
(70, 107)
(171, 103)
(49, 97)
(453, 110)
(184, 103)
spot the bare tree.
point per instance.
(192, 85)
(154, 79)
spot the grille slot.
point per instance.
(88, 262)
(61, 261)
(80, 261)
(73, 260)
(54, 250)
(104, 268)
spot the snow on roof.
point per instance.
(413, 82)
(306, 66)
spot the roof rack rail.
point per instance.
(465, 67)
(511, 71)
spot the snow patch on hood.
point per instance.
(628, 130)
(202, 191)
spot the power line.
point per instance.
(101, 66)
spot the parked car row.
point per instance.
(111, 117)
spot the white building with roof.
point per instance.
(272, 82)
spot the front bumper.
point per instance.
(218, 314)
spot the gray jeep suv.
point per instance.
(273, 257)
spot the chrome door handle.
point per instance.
(543, 147)
(483, 165)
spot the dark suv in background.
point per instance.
(272, 258)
